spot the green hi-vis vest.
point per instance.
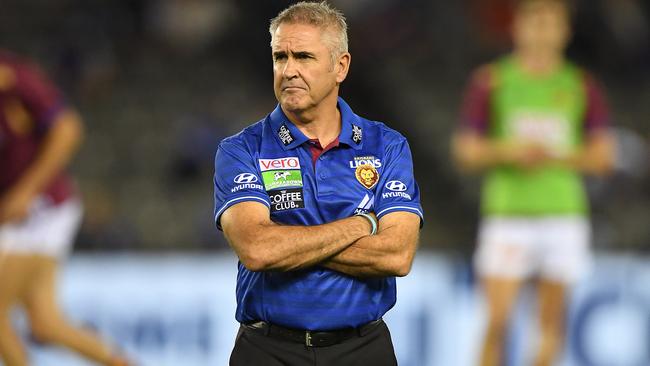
(549, 110)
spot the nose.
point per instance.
(290, 68)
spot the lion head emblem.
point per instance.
(367, 175)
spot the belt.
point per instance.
(311, 338)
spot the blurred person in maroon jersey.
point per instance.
(40, 211)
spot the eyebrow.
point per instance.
(303, 54)
(297, 54)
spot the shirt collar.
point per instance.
(351, 127)
(290, 137)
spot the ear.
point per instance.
(342, 67)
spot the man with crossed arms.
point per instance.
(320, 248)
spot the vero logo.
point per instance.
(279, 164)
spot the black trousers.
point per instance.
(254, 348)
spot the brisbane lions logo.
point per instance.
(367, 175)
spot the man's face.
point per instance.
(303, 71)
(542, 27)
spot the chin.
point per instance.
(292, 104)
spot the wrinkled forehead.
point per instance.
(300, 35)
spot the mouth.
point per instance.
(292, 88)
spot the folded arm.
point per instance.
(475, 152)
(595, 157)
(263, 245)
(388, 253)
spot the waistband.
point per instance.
(311, 338)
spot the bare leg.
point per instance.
(48, 324)
(13, 278)
(501, 295)
(552, 308)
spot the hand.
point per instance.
(527, 156)
(118, 361)
(14, 205)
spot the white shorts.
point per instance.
(555, 248)
(48, 230)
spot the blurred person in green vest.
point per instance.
(533, 123)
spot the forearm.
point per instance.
(475, 153)
(55, 153)
(389, 253)
(273, 247)
(596, 157)
(360, 261)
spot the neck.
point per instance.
(321, 122)
(539, 63)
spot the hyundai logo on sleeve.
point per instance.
(245, 178)
(395, 185)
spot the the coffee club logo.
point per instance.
(286, 199)
(365, 160)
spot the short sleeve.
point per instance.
(397, 189)
(475, 108)
(40, 96)
(236, 178)
(597, 110)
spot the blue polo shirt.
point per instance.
(270, 162)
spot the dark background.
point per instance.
(160, 82)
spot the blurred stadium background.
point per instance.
(160, 82)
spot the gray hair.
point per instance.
(322, 15)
